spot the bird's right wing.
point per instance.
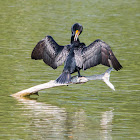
(52, 54)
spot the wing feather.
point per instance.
(97, 53)
(52, 54)
(37, 52)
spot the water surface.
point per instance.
(88, 111)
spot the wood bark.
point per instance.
(74, 80)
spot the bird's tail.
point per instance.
(64, 78)
(115, 63)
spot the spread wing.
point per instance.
(52, 54)
(97, 53)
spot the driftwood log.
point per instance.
(74, 80)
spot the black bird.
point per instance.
(75, 56)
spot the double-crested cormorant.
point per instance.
(75, 56)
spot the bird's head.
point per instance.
(76, 30)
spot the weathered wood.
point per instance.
(74, 80)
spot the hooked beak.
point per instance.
(76, 35)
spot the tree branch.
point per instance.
(74, 80)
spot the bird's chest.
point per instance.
(76, 56)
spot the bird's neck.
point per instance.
(72, 40)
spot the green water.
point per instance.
(90, 111)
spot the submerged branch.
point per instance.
(74, 80)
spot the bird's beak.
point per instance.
(76, 35)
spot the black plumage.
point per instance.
(75, 56)
(52, 54)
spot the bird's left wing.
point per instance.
(52, 54)
(97, 53)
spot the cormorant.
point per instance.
(75, 56)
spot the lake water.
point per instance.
(90, 111)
